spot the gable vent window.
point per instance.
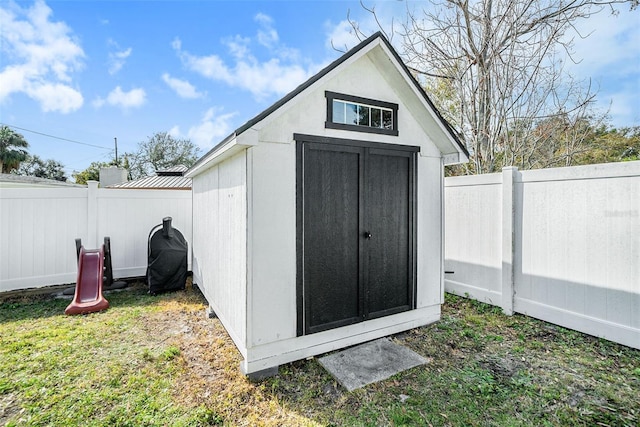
(358, 114)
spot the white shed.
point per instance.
(318, 224)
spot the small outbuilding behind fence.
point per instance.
(318, 224)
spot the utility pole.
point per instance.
(116, 142)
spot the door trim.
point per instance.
(300, 137)
(300, 140)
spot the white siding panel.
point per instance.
(205, 226)
(429, 232)
(273, 225)
(220, 254)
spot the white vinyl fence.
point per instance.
(561, 245)
(38, 228)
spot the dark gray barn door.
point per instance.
(355, 232)
(388, 212)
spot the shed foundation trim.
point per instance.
(261, 375)
(274, 354)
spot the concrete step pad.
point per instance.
(370, 362)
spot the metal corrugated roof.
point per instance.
(157, 182)
(167, 179)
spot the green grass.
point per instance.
(98, 369)
(157, 360)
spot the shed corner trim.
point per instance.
(223, 151)
(454, 158)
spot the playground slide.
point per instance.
(88, 295)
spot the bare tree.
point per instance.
(496, 70)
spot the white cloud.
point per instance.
(610, 57)
(341, 36)
(260, 78)
(267, 35)
(612, 40)
(14, 79)
(118, 98)
(624, 109)
(183, 88)
(118, 58)
(238, 46)
(56, 97)
(275, 76)
(212, 128)
(175, 131)
(40, 57)
(390, 15)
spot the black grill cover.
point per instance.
(167, 251)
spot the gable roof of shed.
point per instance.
(313, 79)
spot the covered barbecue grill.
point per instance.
(167, 256)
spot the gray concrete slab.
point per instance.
(370, 362)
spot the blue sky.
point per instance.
(85, 72)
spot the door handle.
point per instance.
(367, 235)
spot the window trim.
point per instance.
(330, 124)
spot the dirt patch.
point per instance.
(210, 376)
(205, 349)
(9, 407)
(502, 367)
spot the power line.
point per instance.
(57, 137)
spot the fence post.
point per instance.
(92, 215)
(508, 247)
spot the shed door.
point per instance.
(355, 232)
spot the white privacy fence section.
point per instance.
(562, 245)
(38, 228)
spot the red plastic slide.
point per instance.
(88, 296)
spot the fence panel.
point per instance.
(574, 243)
(578, 234)
(38, 228)
(473, 218)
